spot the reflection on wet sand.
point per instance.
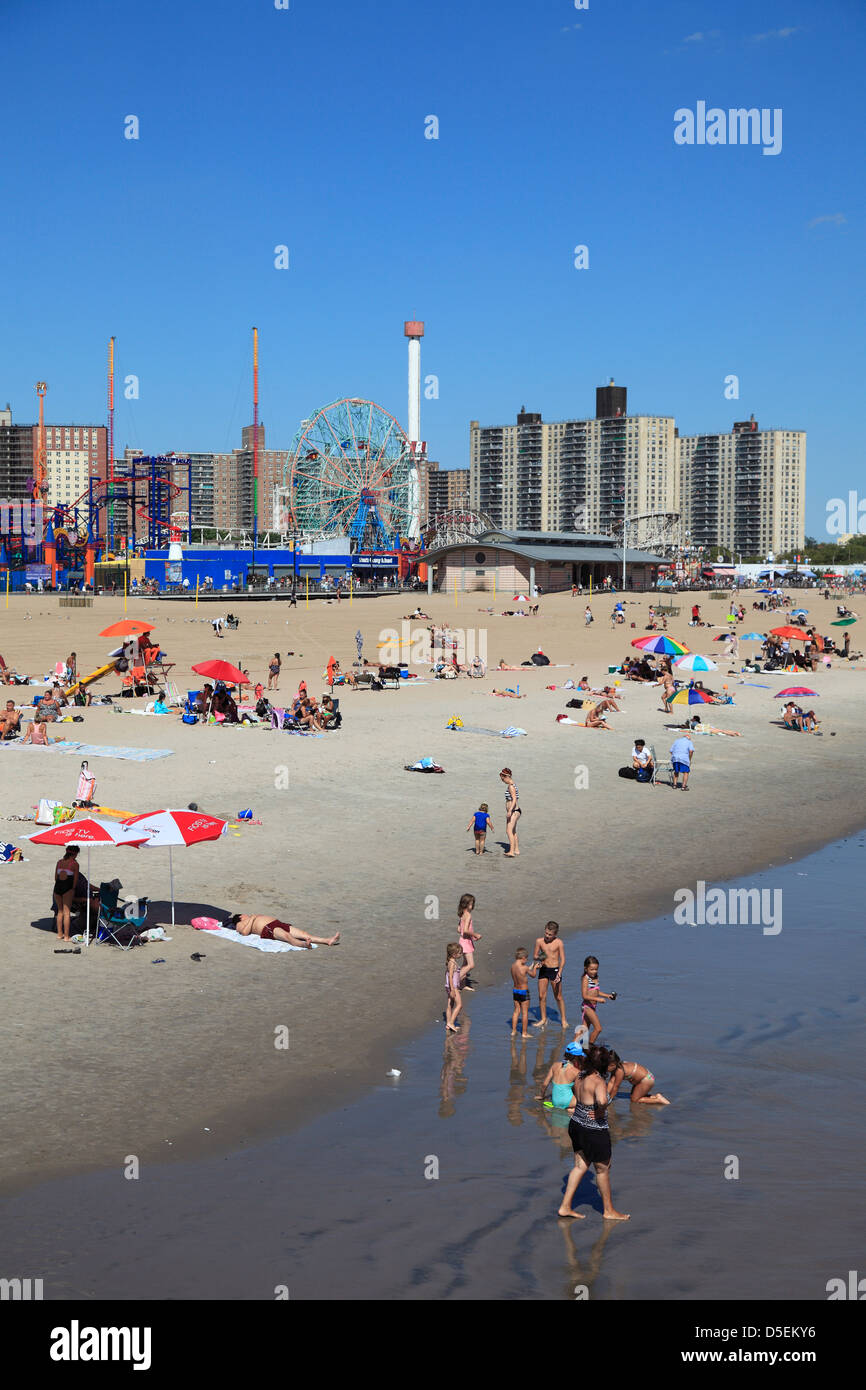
(452, 1082)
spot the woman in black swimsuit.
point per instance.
(65, 883)
(512, 812)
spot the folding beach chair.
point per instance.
(391, 678)
(661, 770)
(116, 922)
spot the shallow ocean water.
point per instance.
(756, 1039)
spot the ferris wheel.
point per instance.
(353, 471)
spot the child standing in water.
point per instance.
(452, 986)
(520, 973)
(468, 938)
(592, 997)
(550, 959)
(482, 823)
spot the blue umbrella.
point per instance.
(753, 637)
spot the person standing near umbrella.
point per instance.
(65, 886)
(682, 753)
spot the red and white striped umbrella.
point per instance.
(165, 829)
(88, 831)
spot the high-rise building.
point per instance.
(610, 401)
(443, 489)
(73, 455)
(233, 483)
(575, 474)
(17, 446)
(744, 491)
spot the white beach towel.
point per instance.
(229, 934)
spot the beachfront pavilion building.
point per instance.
(514, 562)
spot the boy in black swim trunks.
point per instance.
(550, 960)
(520, 972)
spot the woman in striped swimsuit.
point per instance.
(512, 812)
(590, 1136)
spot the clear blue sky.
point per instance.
(305, 127)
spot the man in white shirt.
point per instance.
(682, 752)
(641, 760)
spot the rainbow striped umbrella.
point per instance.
(661, 645)
(691, 697)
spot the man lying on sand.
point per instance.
(270, 929)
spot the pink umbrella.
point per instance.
(88, 831)
(165, 829)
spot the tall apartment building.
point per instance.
(442, 489)
(745, 491)
(572, 475)
(233, 483)
(16, 459)
(73, 454)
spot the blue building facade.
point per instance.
(227, 568)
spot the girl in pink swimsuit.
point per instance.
(452, 986)
(468, 937)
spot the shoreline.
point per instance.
(324, 1096)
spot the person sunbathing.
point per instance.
(502, 666)
(508, 694)
(271, 929)
(694, 724)
(10, 721)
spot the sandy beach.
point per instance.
(107, 1054)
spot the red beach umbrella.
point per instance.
(127, 627)
(88, 831)
(165, 829)
(796, 632)
(794, 690)
(219, 671)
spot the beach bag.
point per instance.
(629, 772)
(61, 814)
(45, 813)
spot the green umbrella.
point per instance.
(844, 622)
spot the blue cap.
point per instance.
(574, 1050)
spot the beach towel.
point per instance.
(92, 750)
(229, 934)
(511, 732)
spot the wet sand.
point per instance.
(108, 1054)
(756, 1039)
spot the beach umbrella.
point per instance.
(520, 598)
(166, 829)
(695, 663)
(796, 632)
(795, 690)
(127, 627)
(751, 637)
(219, 671)
(691, 697)
(667, 646)
(88, 831)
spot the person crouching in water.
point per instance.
(640, 1078)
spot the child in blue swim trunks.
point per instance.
(520, 972)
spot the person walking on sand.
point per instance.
(482, 823)
(454, 1003)
(468, 938)
(682, 755)
(274, 671)
(520, 972)
(592, 996)
(589, 1133)
(271, 929)
(512, 812)
(587, 616)
(640, 1078)
(549, 957)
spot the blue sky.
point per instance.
(261, 127)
